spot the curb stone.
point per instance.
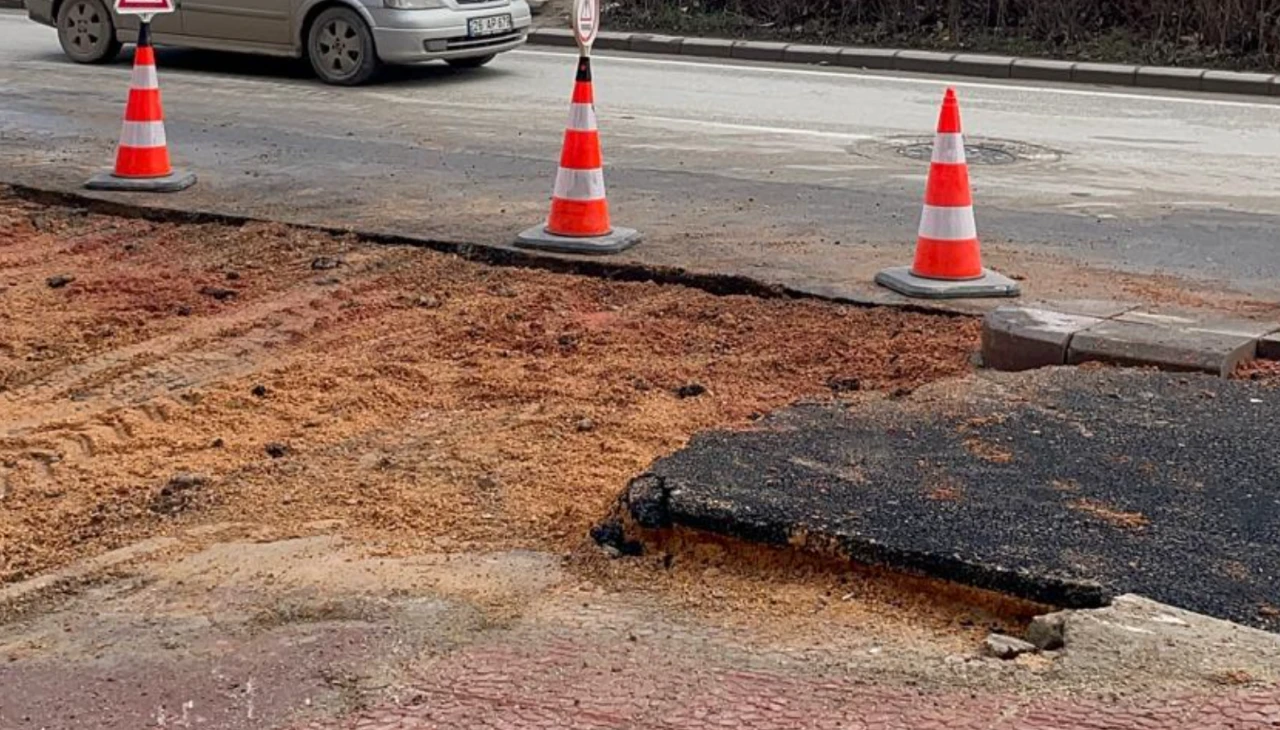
(1041, 70)
(872, 58)
(1025, 337)
(753, 51)
(655, 44)
(934, 62)
(811, 54)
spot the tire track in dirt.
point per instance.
(68, 417)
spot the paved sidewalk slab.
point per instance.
(1060, 486)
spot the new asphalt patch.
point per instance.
(1061, 486)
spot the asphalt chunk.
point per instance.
(1061, 486)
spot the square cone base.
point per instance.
(991, 284)
(171, 183)
(619, 239)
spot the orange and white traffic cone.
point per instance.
(579, 220)
(948, 263)
(142, 159)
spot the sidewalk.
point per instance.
(930, 62)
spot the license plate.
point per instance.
(492, 25)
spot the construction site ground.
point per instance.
(264, 477)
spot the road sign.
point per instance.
(586, 22)
(144, 7)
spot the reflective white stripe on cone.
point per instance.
(948, 224)
(143, 134)
(579, 184)
(582, 117)
(949, 148)
(144, 77)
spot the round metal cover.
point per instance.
(977, 154)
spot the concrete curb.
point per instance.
(1025, 337)
(943, 63)
(14, 4)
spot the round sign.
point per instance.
(586, 22)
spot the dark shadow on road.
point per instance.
(295, 69)
(290, 69)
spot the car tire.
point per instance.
(87, 32)
(473, 62)
(340, 48)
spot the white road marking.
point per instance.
(846, 136)
(608, 58)
(619, 116)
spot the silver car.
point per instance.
(345, 40)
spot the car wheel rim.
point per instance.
(340, 48)
(85, 28)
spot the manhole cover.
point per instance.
(977, 154)
(979, 151)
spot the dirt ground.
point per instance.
(318, 479)
(190, 374)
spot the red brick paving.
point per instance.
(565, 687)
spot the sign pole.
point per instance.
(144, 29)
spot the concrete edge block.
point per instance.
(706, 47)
(1016, 338)
(923, 61)
(964, 64)
(1039, 69)
(1167, 348)
(1105, 73)
(646, 43)
(1275, 86)
(551, 37)
(1159, 77)
(1269, 346)
(993, 67)
(611, 41)
(799, 53)
(872, 58)
(757, 51)
(1231, 82)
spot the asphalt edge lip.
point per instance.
(646, 507)
(485, 253)
(1171, 78)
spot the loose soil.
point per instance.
(193, 375)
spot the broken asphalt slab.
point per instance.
(1059, 486)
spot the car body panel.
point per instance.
(267, 22)
(279, 27)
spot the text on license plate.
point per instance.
(492, 25)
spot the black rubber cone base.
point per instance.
(619, 239)
(990, 284)
(171, 183)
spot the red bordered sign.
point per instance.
(144, 7)
(586, 22)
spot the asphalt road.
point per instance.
(727, 167)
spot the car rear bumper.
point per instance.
(41, 11)
(414, 36)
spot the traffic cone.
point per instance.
(142, 159)
(579, 220)
(948, 263)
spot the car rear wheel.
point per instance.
(86, 32)
(473, 62)
(340, 47)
